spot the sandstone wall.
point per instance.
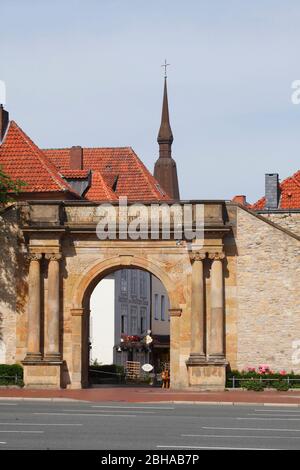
(268, 294)
(12, 276)
(289, 221)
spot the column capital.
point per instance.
(216, 256)
(34, 256)
(53, 256)
(197, 256)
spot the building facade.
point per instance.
(126, 307)
(233, 292)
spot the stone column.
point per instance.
(175, 314)
(53, 304)
(197, 318)
(34, 309)
(216, 331)
(77, 372)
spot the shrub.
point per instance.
(254, 385)
(11, 374)
(268, 378)
(281, 386)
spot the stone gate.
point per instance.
(232, 303)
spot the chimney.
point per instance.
(272, 190)
(4, 120)
(76, 158)
(240, 199)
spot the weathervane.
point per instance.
(165, 65)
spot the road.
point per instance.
(160, 426)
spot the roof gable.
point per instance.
(22, 159)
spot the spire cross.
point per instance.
(165, 65)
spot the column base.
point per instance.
(196, 358)
(217, 359)
(52, 357)
(42, 374)
(33, 357)
(209, 375)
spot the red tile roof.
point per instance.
(21, 159)
(75, 174)
(289, 194)
(115, 171)
(134, 180)
(99, 190)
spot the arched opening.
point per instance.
(132, 304)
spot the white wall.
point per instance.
(160, 326)
(102, 321)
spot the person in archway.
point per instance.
(165, 378)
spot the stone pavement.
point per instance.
(140, 395)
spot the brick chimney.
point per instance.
(240, 199)
(4, 120)
(272, 190)
(76, 158)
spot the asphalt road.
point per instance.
(87, 425)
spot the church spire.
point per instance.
(165, 135)
(165, 167)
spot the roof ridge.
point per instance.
(127, 147)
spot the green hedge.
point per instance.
(11, 374)
(280, 383)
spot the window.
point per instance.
(123, 319)
(163, 308)
(143, 285)
(156, 317)
(134, 283)
(133, 320)
(123, 281)
(143, 320)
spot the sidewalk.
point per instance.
(142, 395)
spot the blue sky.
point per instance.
(87, 72)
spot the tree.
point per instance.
(8, 187)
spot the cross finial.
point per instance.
(165, 65)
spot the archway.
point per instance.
(84, 289)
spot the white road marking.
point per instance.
(2, 442)
(250, 429)
(272, 415)
(134, 407)
(278, 411)
(112, 411)
(86, 414)
(271, 418)
(214, 447)
(39, 424)
(8, 404)
(254, 437)
(25, 432)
